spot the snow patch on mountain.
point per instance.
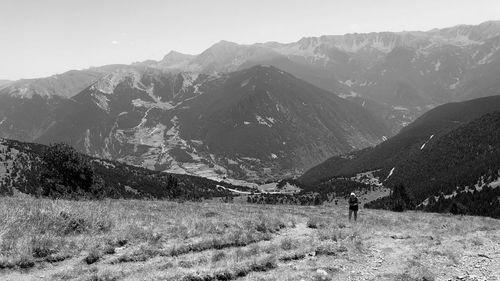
(245, 82)
(495, 184)
(423, 145)
(454, 85)
(390, 173)
(348, 83)
(267, 121)
(86, 142)
(400, 108)
(437, 65)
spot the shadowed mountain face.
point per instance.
(255, 123)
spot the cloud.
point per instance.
(114, 42)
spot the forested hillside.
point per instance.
(405, 145)
(58, 171)
(458, 172)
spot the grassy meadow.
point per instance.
(43, 239)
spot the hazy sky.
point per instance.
(45, 37)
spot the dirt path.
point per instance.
(386, 255)
(299, 231)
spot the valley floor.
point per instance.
(158, 240)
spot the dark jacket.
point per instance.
(353, 203)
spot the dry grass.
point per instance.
(158, 240)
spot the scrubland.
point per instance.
(43, 239)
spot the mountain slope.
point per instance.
(404, 145)
(66, 84)
(27, 106)
(458, 172)
(255, 123)
(456, 159)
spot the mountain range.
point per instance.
(399, 75)
(256, 111)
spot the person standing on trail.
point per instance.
(353, 206)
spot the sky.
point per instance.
(44, 37)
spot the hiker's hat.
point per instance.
(352, 194)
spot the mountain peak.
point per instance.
(491, 23)
(223, 45)
(225, 42)
(175, 54)
(175, 59)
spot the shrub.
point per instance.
(65, 173)
(105, 275)
(288, 244)
(316, 222)
(72, 224)
(6, 263)
(330, 249)
(42, 247)
(93, 256)
(268, 224)
(25, 262)
(186, 264)
(217, 256)
(210, 214)
(109, 249)
(332, 234)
